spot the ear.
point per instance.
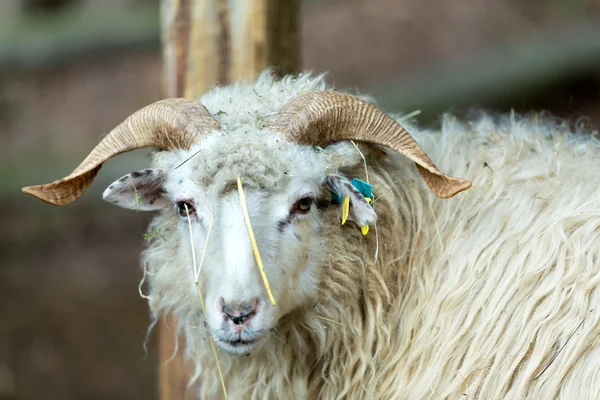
(140, 190)
(361, 212)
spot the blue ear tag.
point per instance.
(364, 188)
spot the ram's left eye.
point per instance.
(303, 205)
(185, 208)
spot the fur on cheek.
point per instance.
(303, 265)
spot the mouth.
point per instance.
(237, 346)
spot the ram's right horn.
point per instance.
(166, 124)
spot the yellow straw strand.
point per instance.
(253, 241)
(204, 249)
(214, 348)
(201, 299)
(212, 344)
(345, 209)
(364, 160)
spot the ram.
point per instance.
(328, 266)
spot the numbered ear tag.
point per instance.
(345, 209)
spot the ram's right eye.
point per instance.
(185, 208)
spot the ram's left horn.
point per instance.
(320, 118)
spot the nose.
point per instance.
(239, 314)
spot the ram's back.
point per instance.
(501, 298)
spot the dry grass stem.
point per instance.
(376, 243)
(212, 342)
(189, 158)
(409, 115)
(330, 320)
(364, 160)
(367, 179)
(253, 241)
(205, 246)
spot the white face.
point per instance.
(286, 226)
(286, 222)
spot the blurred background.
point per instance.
(72, 324)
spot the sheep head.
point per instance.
(290, 174)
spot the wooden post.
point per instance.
(215, 42)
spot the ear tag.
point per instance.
(345, 209)
(364, 188)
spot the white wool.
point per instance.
(472, 297)
(251, 105)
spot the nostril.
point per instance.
(238, 317)
(240, 314)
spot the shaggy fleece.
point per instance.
(492, 294)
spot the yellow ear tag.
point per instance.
(369, 200)
(364, 229)
(345, 209)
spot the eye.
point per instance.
(302, 206)
(181, 208)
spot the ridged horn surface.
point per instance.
(320, 118)
(166, 124)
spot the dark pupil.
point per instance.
(305, 204)
(182, 211)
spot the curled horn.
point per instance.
(166, 124)
(319, 118)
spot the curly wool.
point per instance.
(473, 296)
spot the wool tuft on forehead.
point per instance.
(263, 159)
